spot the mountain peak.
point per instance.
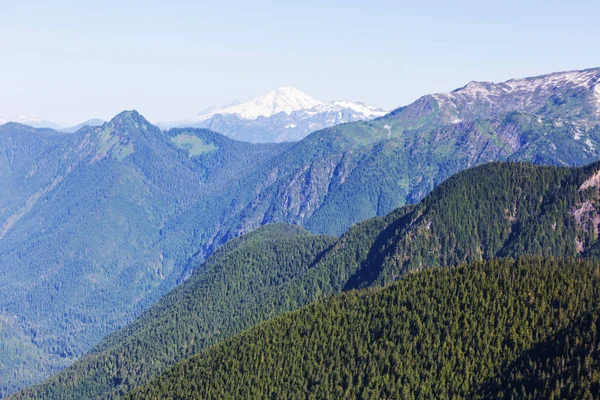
(284, 89)
(128, 117)
(290, 91)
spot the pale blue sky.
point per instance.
(72, 60)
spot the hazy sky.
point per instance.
(72, 60)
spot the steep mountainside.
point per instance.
(444, 333)
(496, 210)
(82, 221)
(99, 224)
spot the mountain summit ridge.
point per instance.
(480, 99)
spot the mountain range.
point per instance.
(281, 115)
(82, 260)
(496, 210)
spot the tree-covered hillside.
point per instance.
(438, 333)
(238, 286)
(566, 365)
(82, 223)
(498, 210)
(495, 210)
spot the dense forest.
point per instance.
(439, 333)
(496, 210)
(566, 365)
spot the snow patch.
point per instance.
(448, 106)
(474, 88)
(590, 144)
(365, 111)
(578, 133)
(388, 128)
(574, 78)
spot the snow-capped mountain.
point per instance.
(284, 114)
(285, 99)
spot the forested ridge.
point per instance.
(438, 333)
(496, 210)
